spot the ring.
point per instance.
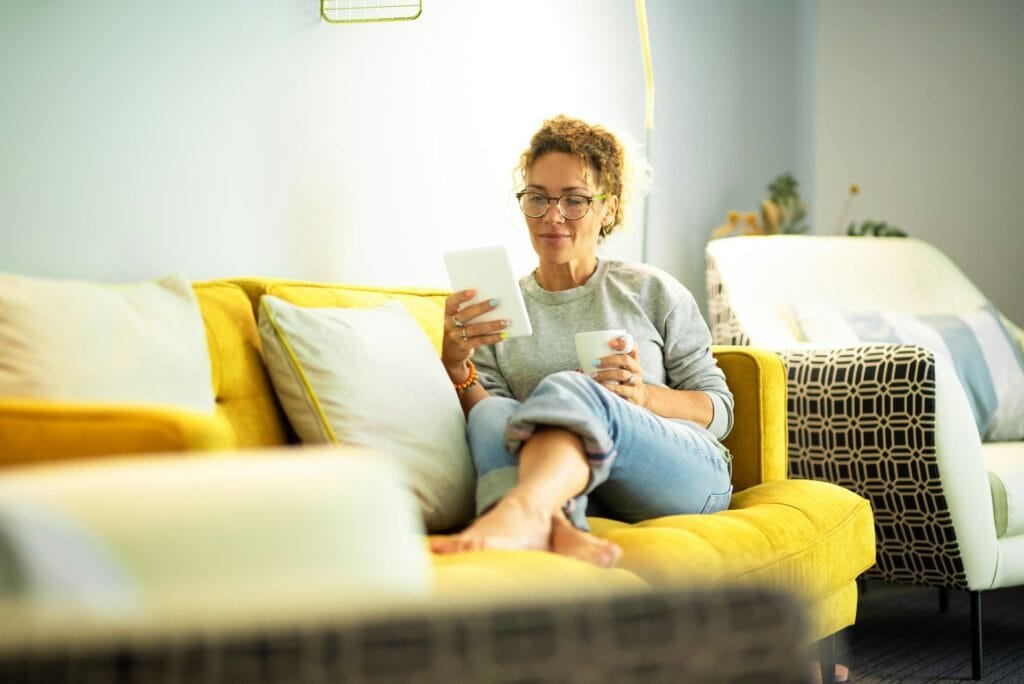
(463, 333)
(458, 324)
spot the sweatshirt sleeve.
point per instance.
(488, 374)
(689, 363)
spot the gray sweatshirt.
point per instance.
(672, 339)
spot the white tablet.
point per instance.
(489, 271)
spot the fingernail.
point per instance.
(495, 302)
(596, 362)
(504, 336)
(506, 323)
(594, 375)
(469, 293)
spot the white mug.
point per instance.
(595, 344)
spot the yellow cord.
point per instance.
(645, 46)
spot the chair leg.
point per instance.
(827, 659)
(976, 645)
(943, 599)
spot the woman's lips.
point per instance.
(553, 238)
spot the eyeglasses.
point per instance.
(571, 207)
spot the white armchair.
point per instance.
(890, 421)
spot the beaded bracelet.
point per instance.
(461, 387)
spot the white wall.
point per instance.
(234, 137)
(250, 138)
(921, 102)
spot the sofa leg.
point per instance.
(976, 645)
(827, 659)
(943, 599)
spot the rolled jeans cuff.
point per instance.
(598, 447)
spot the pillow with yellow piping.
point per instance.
(140, 343)
(370, 377)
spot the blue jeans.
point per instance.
(641, 466)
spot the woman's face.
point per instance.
(556, 239)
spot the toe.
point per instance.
(442, 544)
(613, 554)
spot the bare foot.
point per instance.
(510, 524)
(569, 541)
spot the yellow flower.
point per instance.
(854, 188)
(733, 216)
(771, 214)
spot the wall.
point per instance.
(732, 103)
(921, 102)
(232, 138)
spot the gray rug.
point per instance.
(901, 636)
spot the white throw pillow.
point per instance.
(370, 377)
(140, 343)
(987, 360)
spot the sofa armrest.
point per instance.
(891, 423)
(35, 431)
(758, 438)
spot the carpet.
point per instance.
(901, 636)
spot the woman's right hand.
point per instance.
(462, 336)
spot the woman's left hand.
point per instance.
(621, 373)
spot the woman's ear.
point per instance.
(611, 205)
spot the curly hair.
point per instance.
(602, 152)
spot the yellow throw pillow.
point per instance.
(139, 343)
(370, 377)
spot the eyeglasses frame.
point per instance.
(556, 200)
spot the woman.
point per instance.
(634, 438)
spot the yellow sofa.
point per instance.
(809, 538)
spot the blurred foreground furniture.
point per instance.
(890, 421)
(306, 565)
(809, 539)
(664, 637)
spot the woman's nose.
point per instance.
(553, 215)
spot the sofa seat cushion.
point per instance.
(1005, 463)
(793, 535)
(812, 538)
(514, 575)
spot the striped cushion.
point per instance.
(986, 358)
